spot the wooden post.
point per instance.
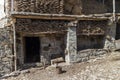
(15, 54)
(12, 5)
(114, 10)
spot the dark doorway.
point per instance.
(32, 49)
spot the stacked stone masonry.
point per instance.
(39, 6)
(34, 25)
(64, 6)
(92, 27)
(77, 42)
(6, 55)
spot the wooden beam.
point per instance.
(15, 51)
(88, 34)
(60, 16)
(12, 5)
(114, 15)
(48, 32)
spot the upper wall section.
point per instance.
(73, 7)
(2, 14)
(39, 6)
(96, 6)
(117, 6)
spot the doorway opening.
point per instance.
(32, 50)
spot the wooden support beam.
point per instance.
(48, 32)
(15, 51)
(61, 16)
(88, 34)
(12, 5)
(114, 15)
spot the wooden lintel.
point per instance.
(90, 34)
(59, 16)
(48, 32)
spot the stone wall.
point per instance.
(49, 44)
(73, 7)
(6, 54)
(76, 7)
(6, 39)
(52, 45)
(39, 6)
(71, 49)
(117, 6)
(91, 34)
(94, 6)
(110, 36)
(19, 50)
(88, 54)
(90, 42)
(27, 27)
(91, 27)
(35, 25)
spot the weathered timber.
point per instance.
(61, 16)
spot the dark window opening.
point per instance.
(117, 6)
(90, 42)
(32, 49)
(101, 1)
(118, 31)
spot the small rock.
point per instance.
(25, 71)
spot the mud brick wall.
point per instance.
(39, 6)
(34, 25)
(6, 54)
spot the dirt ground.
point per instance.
(105, 67)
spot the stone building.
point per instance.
(37, 31)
